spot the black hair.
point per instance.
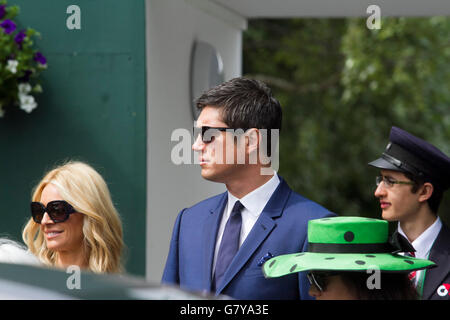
(436, 197)
(393, 286)
(245, 103)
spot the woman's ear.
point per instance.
(425, 191)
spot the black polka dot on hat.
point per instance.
(300, 254)
(349, 236)
(409, 261)
(360, 262)
(272, 263)
(370, 256)
(293, 268)
(329, 258)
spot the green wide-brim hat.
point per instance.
(347, 244)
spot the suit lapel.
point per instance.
(210, 229)
(262, 228)
(439, 254)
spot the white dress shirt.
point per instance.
(253, 203)
(423, 243)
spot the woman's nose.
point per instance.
(314, 292)
(46, 219)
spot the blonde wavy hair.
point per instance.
(84, 188)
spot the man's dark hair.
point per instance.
(244, 103)
(436, 197)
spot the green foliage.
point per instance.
(18, 63)
(342, 86)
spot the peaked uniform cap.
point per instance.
(408, 153)
(347, 244)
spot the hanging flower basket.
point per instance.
(20, 63)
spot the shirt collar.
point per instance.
(256, 200)
(425, 241)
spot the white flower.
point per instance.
(27, 102)
(24, 88)
(12, 66)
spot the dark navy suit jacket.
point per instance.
(435, 278)
(280, 229)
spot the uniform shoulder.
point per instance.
(443, 238)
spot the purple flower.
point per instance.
(20, 37)
(39, 57)
(2, 11)
(26, 76)
(8, 25)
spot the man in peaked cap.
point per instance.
(413, 178)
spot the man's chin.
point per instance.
(213, 176)
(388, 216)
(208, 175)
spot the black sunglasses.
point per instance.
(58, 211)
(208, 133)
(319, 279)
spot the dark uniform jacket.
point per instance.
(437, 280)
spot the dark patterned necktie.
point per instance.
(230, 243)
(412, 275)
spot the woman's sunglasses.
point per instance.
(319, 279)
(58, 211)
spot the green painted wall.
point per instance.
(93, 108)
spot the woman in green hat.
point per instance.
(352, 258)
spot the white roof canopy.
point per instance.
(333, 8)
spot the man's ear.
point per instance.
(425, 191)
(252, 140)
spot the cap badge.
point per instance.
(388, 146)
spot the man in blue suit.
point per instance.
(220, 244)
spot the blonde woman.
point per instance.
(74, 221)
